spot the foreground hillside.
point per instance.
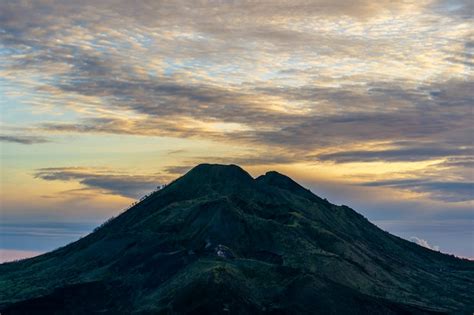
(219, 241)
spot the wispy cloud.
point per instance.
(423, 243)
(180, 170)
(447, 191)
(21, 139)
(131, 186)
(403, 153)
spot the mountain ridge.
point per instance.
(217, 240)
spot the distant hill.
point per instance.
(217, 241)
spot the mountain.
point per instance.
(217, 241)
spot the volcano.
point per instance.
(217, 241)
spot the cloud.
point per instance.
(23, 139)
(423, 243)
(449, 180)
(130, 186)
(188, 110)
(458, 8)
(181, 170)
(447, 191)
(463, 162)
(283, 82)
(413, 153)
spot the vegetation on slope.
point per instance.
(218, 241)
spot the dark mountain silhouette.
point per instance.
(217, 241)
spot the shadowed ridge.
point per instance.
(217, 178)
(275, 179)
(219, 173)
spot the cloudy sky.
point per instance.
(367, 103)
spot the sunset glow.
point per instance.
(367, 103)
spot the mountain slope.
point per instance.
(218, 241)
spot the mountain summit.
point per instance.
(217, 241)
(213, 178)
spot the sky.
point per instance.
(367, 103)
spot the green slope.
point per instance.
(218, 241)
